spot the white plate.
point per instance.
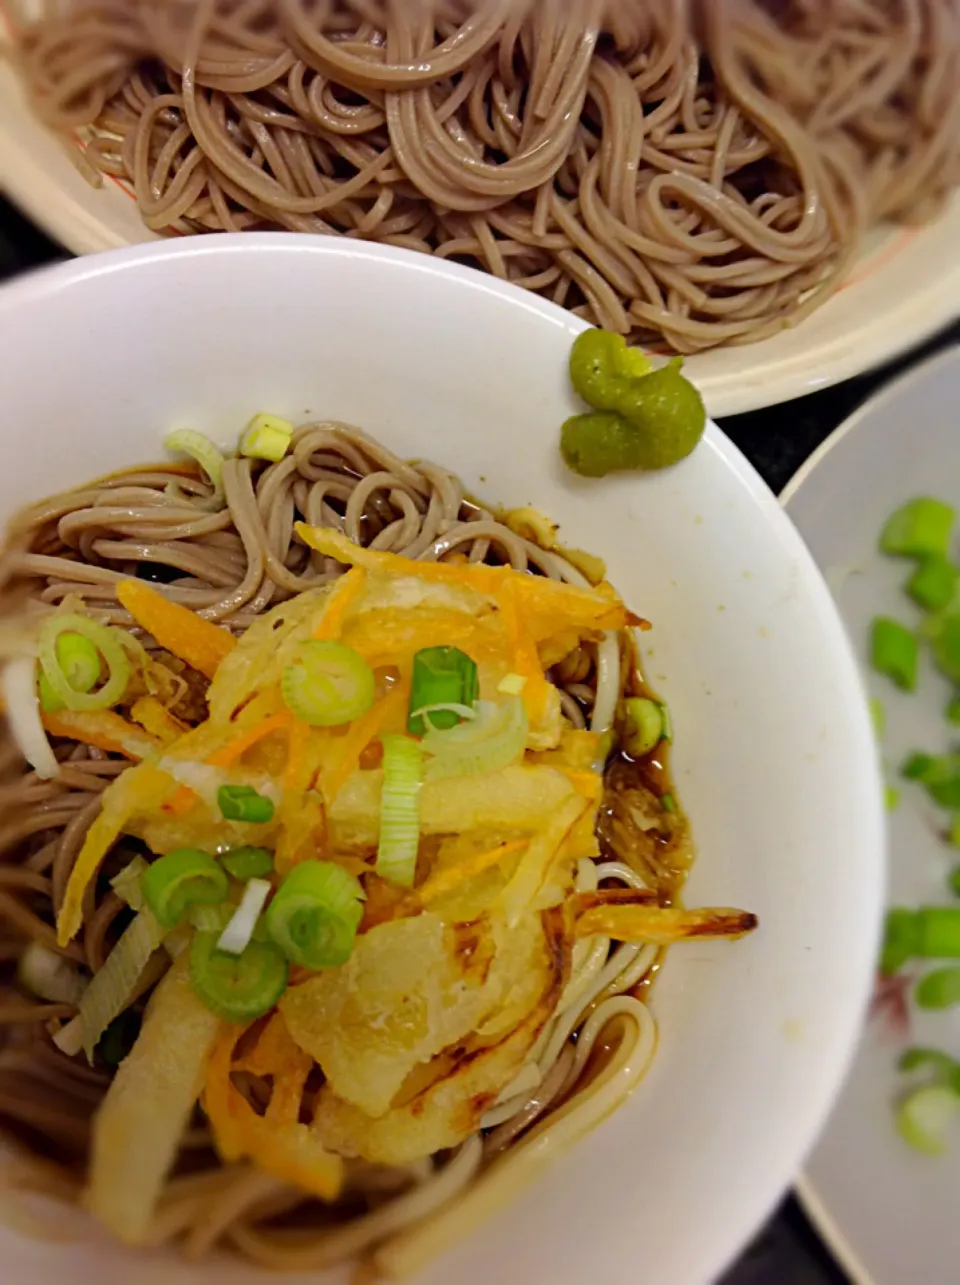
(774, 750)
(889, 1213)
(905, 285)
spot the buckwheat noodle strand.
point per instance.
(231, 565)
(694, 172)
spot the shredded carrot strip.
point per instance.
(103, 729)
(227, 755)
(335, 545)
(550, 604)
(139, 791)
(589, 784)
(296, 755)
(526, 658)
(234, 750)
(182, 801)
(445, 881)
(344, 593)
(156, 719)
(359, 735)
(276, 1141)
(177, 629)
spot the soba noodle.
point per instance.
(231, 565)
(694, 171)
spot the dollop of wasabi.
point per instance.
(642, 418)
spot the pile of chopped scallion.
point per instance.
(921, 531)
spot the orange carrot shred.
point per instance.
(103, 729)
(358, 737)
(227, 755)
(182, 801)
(276, 1141)
(176, 628)
(234, 750)
(526, 658)
(296, 754)
(342, 596)
(445, 881)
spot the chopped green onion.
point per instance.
(607, 744)
(128, 884)
(668, 803)
(207, 918)
(315, 914)
(49, 976)
(667, 722)
(924, 1115)
(400, 810)
(442, 676)
(894, 652)
(79, 660)
(209, 456)
(940, 776)
(642, 726)
(932, 584)
(243, 803)
(939, 988)
(96, 637)
(493, 740)
(247, 863)
(891, 798)
(267, 437)
(50, 702)
(954, 881)
(917, 766)
(424, 716)
(938, 932)
(932, 932)
(952, 711)
(945, 646)
(237, 988)
(181, 879)
(237, 934)
(946, 1068)
(900, 939)
(327, 684)
(511, 684)
(920, 528)
(878, 716)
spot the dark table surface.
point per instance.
(776, 441)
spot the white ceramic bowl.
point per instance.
(774, 755)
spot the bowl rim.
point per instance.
(828, 1222)
(864, 783)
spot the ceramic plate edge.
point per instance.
(813, 1205)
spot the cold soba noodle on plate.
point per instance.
(694, 172)
(343, 857)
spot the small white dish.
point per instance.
(904, 285)
(889, 1213)
(774, 756)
